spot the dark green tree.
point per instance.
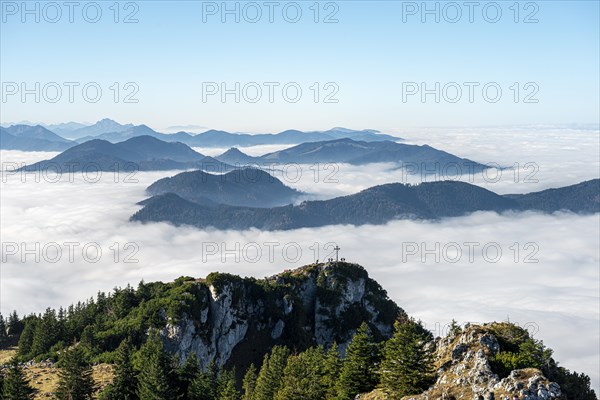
(204, 385)
(332, 366)
(454, 329)
(156, 371)
(187, 373)
(124, 384)
(201, 388)
(15, 385)
(575, 386)
(14, 325)
(45, 333)
(61, 326)
(3, 331)
(359, 367)
(407, 365)
(303, 376)
(75, 376)
(271, 372)
(249, 383)
(226, 389)
(123, 301)
(26, 338)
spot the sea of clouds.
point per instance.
(540, 271)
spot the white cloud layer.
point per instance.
(559, 294)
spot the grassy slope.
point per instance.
(45, 378)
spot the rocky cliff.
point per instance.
(237, 320)
(465, 370)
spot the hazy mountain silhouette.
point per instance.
(241, 187)
(376, 205)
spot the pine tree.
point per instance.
(201, 387)
(124, 384)
(45, 333)
(15, 385)
(271, 372)
(332, 366)
(3, 333)
(303, 376)
(156, 371)
(61, 326)
(204, 385)
(359, 368)
(226, 389)
(454, 329)
(14, 325)
(75, 376)
(407, 366)
(249, 383)
(187, 373)
(26, 338)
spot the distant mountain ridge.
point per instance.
(147, 150)
(114, 132)
(32, 138)
(218, 138)
(241, 187)
(143, 153)
(65, 129)
(376, 205)
(419, 158)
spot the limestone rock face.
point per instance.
(464, 372)
(240, 319)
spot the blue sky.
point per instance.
(369, 58)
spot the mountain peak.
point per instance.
(234, 151)
(333, 312)
(249, 187)
(106, 125)
(107, 122)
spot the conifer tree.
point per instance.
(14, 325)
(271, 372)
(454, 329)
(124, 384)
(15, 386)
(26, 338)
(201, 388)
(359, 367)
(187, 373)
(226, 389)
(3, 333)
(44, 335)
(61, 325)
(204, 385)
(303, 376)
(154, 380)
(249, 383)
(407, 366)
(332, 366)
(75, 376)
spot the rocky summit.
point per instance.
(239, 319)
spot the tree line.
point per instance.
(399, 366)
